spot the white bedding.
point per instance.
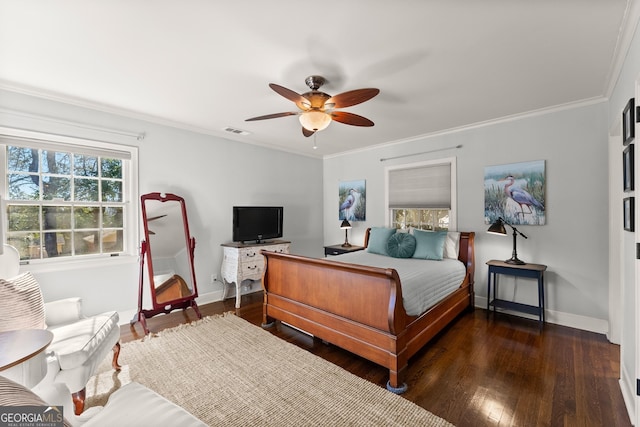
(424, 282)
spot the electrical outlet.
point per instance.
(214, 277)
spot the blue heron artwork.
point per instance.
(515, 192)
(351, 200)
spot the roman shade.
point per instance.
(427, 186)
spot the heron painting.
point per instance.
(351, 200)
(515, 192)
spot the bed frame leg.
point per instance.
(268, 323)
(397, 390)
(396, 382)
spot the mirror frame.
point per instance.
(146, 254)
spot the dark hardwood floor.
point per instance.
(481, 371)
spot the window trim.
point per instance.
(451, 161)
(130, 171)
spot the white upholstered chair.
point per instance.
(79, 343)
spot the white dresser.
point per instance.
(245, 262)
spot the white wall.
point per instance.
(573, 243)
(625, 289)
(211, 173)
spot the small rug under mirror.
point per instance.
(226, 371)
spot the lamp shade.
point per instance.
(345, 225)
(497, 227)
(314, 120)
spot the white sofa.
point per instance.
(131, 405)
(79, 343)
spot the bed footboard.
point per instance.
(358, 308)
(344, 304)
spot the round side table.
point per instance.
(22, 356)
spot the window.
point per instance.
(422, 195)
(67, 198)
(424, 219)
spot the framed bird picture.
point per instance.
(352, 197)
(516, 193)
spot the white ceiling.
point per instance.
(205, 65)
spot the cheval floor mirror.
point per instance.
(168, 250)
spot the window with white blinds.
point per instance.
(422, 195)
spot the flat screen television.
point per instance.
(257, 223)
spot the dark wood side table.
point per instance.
(533, 271)
(339, 249)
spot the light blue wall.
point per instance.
(573, 243)
(211, 173)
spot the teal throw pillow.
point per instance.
(429, 244)
(401, 245)
(378, 240)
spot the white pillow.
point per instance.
(452, 245)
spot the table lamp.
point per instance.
(498, 228)
(345, 226)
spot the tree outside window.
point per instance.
(63, 204)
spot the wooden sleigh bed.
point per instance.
(359, 308)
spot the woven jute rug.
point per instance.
(226, 371)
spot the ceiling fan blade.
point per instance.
(352, 97)
(271, 116)
(289, 94)
(306, 132)
(350, 118)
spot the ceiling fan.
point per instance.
(318, 109)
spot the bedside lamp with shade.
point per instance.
(345, 226)
(498, 228)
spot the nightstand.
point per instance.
(339, 249)
(532, 271)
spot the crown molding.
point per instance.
(626, 33)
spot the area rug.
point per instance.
(227, 371)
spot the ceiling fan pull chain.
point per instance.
(315, 147)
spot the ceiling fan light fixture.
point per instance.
(315, 120)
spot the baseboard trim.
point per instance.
(127, 315)
(576, 321)
(628, 389)
(209, 297)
